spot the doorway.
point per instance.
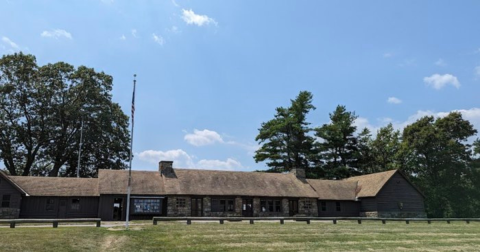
(293, 207)
(247, 207)
(117, 209)
(197, 207)
(62, 208)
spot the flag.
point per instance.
(133, 102)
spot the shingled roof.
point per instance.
(206, 182)
(143, 182)
(55, 186)
(369, 185)
(334, 189)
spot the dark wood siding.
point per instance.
(36, 207)
(398, 190)
(6, 188)
(347, 208)
(368, 204)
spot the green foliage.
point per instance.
(285, 140)
(440, 161)
(339, 145)
(41, 109)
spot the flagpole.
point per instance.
(131, 151)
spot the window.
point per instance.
(75, 204)
(181, 202)
(145, 206)
(50, 206)
(6, 200)
(339, 207)
(323, 206)
(271, 206)
(223, 205)
(307, 204)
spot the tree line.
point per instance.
(436, 153)
(41, 113)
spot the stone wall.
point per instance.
(393, 214)
(285, 207)
(9, 213)
(174, 211)
(304, 210)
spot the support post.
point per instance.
(429, 222)
(448, 221)
(221, 221)
(189, 222)
(407, 222)
(467, 221)
(154, 222)
(99, 223)
(308, 221)
(252, 222)
(12, 224)
(334, 221)
(384, 222)
(55, 224)
(282, 222)
(359, 221)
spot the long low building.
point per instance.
(189, 192)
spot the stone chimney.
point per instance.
(299, 172)
(166, 168)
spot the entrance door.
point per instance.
(62, 208)
(293, 207)
(117, 209)
(197, 207)
(247, 207)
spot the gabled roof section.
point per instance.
(229, 183)
(7, 178)
(369, 185)
(56, 186)
(334, 189)
(143, 182)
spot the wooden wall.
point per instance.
(35, 207)
(6, 188)
(398, 190)
(347, 208)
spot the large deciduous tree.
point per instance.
(439, 160)
(285, 140)
(41, 112)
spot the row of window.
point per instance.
(228, 205)
(323, 206)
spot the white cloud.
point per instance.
(394, 100)
(229, 164)
(123, 37)
(158, 39)
(174, 29)
(438, 81)
(203, 137)
(179, 157)
(407, 63)
(441, 62)
(57, 33)
(472, 115)
(182, 159)
(191, 18)
(10, 43)
(134, 33)
(175, 3)
(477, 71)
(388, 55)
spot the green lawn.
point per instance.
(241, 236)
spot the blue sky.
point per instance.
(210, 72)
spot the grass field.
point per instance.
(241, 236)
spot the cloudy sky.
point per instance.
(210, 72)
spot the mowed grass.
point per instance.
(241, 236)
